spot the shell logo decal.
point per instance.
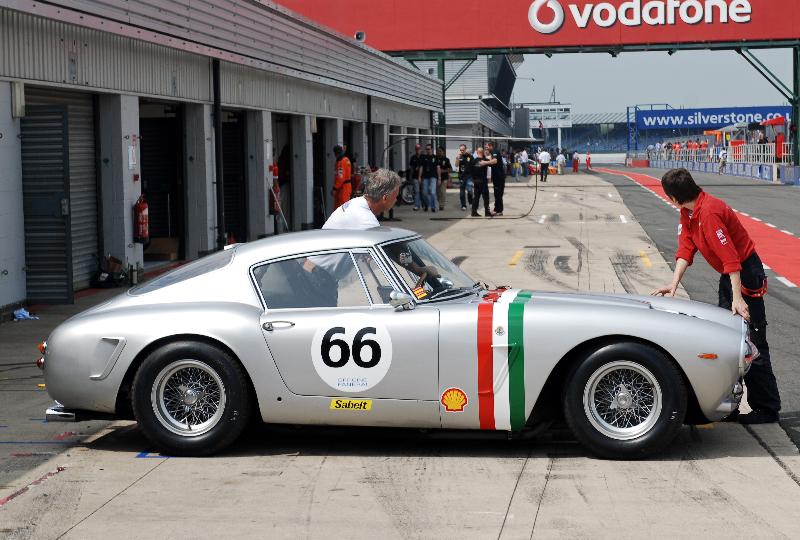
(454, 400)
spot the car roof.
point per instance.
(284, 245)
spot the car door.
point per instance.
(338, 344)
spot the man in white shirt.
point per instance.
(523, 161)
(560, 161)
(723, 158)
(361, 213)
(544, 164)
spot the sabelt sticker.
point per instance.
(454, 400)
(420, 293)
(351, 404)
(352, 353)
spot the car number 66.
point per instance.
(359, 343)
(353, 354)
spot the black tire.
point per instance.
(156, 386)
(407, 194)
(602, 428)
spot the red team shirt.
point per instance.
(715, 231)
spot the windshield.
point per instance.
(428, 273)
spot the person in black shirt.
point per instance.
(413, 173)
(464, 164)
(428, 177)
(480, 166)
(445, 168)
(498, 177)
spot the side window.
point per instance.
(310, 282)
(377, 283)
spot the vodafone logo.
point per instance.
(642, 12)
(555, 25)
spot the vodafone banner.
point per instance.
(409, 25)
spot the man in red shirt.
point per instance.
(710, 226)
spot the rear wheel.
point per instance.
(625, 401)
(191, 398)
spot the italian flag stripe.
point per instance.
(516, 359)
(485, 377)
(501, 361)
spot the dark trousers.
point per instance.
(544, 170)
(481, 189)
(499, 189)
(762, 388)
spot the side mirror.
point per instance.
(401, 301)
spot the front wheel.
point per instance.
(191, 398)
(625, 401)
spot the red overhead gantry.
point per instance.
(442, 30)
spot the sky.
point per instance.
(596, 82)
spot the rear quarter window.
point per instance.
(207, 264)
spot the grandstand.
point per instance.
(602, 133)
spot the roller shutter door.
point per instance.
(45, 193)
(82, 174)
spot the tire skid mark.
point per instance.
(21, 491)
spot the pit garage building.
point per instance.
(102, 101)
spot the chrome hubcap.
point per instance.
(188, 398)
(622, 400)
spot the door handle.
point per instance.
(269, 326)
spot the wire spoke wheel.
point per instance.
(188, 398)
(622, 400)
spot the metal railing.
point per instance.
(763, 154)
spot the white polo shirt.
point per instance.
(354, 214)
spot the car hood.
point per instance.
(680, 307)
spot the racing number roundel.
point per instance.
(351, 353)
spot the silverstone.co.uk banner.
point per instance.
(422, 25)
(707, 118)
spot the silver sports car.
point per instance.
(377, 328)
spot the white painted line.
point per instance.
(755, 218)
(745, 214)
(771, 225)
(766, 267)
(543, 218)
(790, 233)
(787, 282)
(622, 219)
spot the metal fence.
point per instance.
(764, 154)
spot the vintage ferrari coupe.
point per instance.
(377, 328)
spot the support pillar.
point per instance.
(333, 135)
(360, 145)
(380, 142)
(119, 175)
(396, 151)
(302, 174)
(12, 220)
(440, 71)
(259, 178)
(201, 206)
(795, 107)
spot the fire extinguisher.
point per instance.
(141, 221)
(275, 192)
